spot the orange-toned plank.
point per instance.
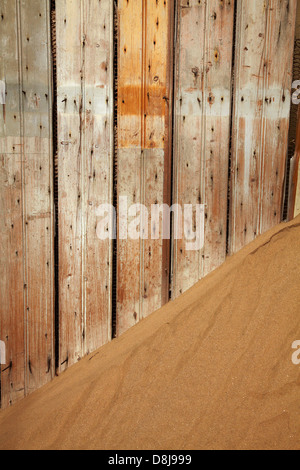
(202, 130)
(85, 137)
(264, 55)
(158, 142)
(144, 157)
(130, 168)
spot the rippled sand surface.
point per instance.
(212, 370)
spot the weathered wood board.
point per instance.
(85, 168)
(294, 196)
(26, 312)
(262, 98)
(144, 151)
(297, 203)
(297, 196)
(202, 130)
(294, 187)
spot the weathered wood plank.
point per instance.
(297, 203)
(158, 146)
(12, 323)
(265, 38)
(294, 196)
(144, 156)
(27, 317)
(130, 99)
(98, 169)
(294, 187)
(297, 178)
(202, 130)
(69, 37)
(38, 194)
(85, 139)
(11, 221)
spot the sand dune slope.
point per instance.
(212, 370)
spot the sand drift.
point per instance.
(215, 369)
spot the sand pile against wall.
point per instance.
(212, 370)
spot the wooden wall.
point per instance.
(203, 93)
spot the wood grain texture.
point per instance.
(262, 97)
(27, 317)
(294, 196)
(297, 203)
(85, 165)
(202, 130)
(144, 150)
(294, 189)
(297, 197)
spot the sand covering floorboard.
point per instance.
(212, 370)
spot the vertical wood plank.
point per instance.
(98, 169)
(158, 145)
(129, 160)
(85, 142)
(11, 222)
(144, 150)
(69, 37)
(38, 191)
(297, 203)
(294, 189)
(26, 199)
(202, 130)
(264, 54)
(294, 196)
